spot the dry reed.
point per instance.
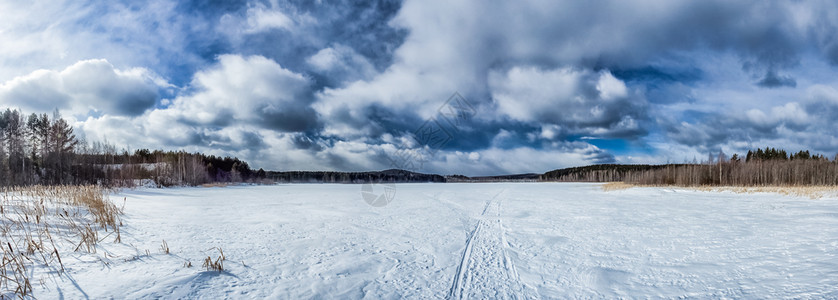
(37, 221)
(813, 192)
(217, 264)
(164, 247)
(616, 186)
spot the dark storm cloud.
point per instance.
(361, 25)
(305, 142)
(130, 104)
(246, 140)
(288, 119)
(599, 157)
(712, 130)
(822, 107)
(656, 75)
(620, 34)
(360, 28)
(773, 80)
(825, 34)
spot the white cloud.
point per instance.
(496, 161)
(790, 114)
(822, 94)
(261, 18)
(398, 90)
(611, 88)
(342, 63)
(90, 86)
(253, 90)
(43, 34)
(239, 106)
(579, 101)
(530, 94)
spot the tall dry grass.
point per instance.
(37, 223)
(217, 264)
(813, 192)
(616, 186)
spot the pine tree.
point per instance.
(62, 143)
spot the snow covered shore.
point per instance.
(469, 240)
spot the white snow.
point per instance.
(470, 240)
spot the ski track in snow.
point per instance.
(485, 269)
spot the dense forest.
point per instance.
(598, 173)
(42, 149)
(762, 167)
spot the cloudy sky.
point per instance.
(341, 85)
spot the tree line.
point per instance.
(43, 149)
(761, 167)
(779, 154)
(597, 173)
(386, 176)
(35, 149)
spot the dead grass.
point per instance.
(37, 221)
(813, 192)
(216, 184)
(616, 186)
(217, 264)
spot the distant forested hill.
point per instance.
(392, 175)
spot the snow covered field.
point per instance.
(483, 240)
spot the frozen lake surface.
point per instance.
(484, 240)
